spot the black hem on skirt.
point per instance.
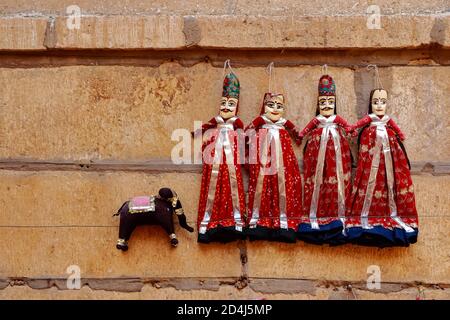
(221, 234)
(269, 234)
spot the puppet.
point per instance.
(274, 194)
(383, 210)
(221, 207)
(327, 171)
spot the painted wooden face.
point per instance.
(379, 102)
(274, 107)
(228, 107)
(327, 104)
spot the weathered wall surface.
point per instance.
(86, 118)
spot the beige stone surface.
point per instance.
(170, 31)
(408, 294)
(426, 261)
(49, 251)
(18, 33)
(431, 193)
(69, 219)
(64, 218)
(91, 96)
(54, 198)
(417, 102)
(223, 7)
(118, 112)
(225, 292)
(56, 219)
(290, 31)
(121, 32)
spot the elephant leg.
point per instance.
(173, 239)
(170, 229)
(126, 228)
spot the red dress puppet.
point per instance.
(327, 165)
(222, 197)
(275, 201)
(383, 211)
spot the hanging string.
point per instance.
(226, 65)
(378, 84)
(325, 69)
(271, 72)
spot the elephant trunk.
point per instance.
(183, 222)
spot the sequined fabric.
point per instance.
(327, 208)
(142, 204)
(222, 215)
(379, 213)
(269, 207)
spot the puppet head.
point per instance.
(326, 101)
(378, 102)
(273, 106)
(378, 96)
(230, 96)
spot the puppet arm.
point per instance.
(397, 129)
(206, 126)
(250, 136)
(255, 124)
(343, 123)
(238, 124)
(306, 130)
(358, 125)
(293, 131)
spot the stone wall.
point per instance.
(87, 116)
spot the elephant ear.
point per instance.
(175, 201)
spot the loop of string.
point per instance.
(226, 65)
(325, 69)
(378, 84)
(271, 72)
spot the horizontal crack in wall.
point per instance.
(431, 55)
(283, 286)
(262, 285)
(163, 166)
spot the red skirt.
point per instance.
(223, 223)
(265, 196)
(380, 228)
(330, 224)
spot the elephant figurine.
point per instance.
(151, 210)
